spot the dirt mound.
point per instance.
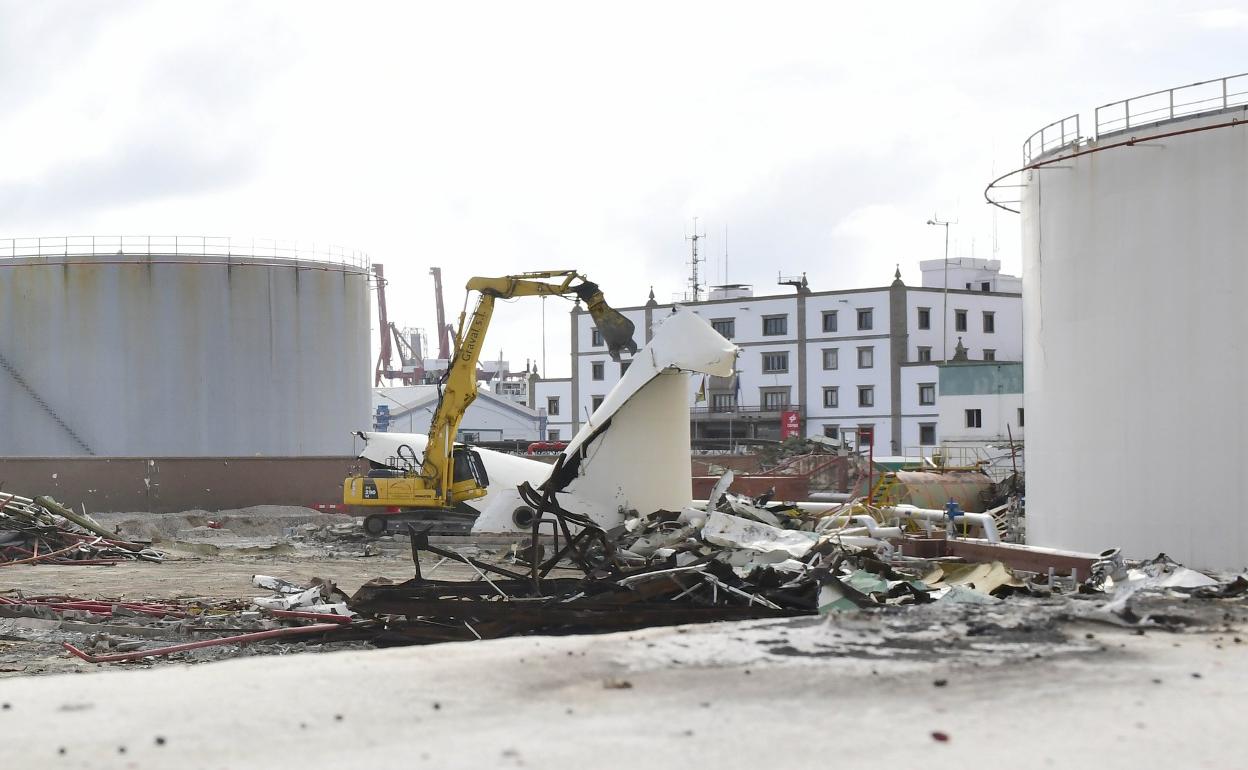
(256, 521)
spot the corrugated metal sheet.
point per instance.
(198, 356)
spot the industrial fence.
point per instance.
(167, 246)
(1191, 99)
(1146, 109)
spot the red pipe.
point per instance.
(239, 639)
(95, 607)
(49, 555)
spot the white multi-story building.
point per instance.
(841, 360)
(981, 403)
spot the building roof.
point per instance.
(409, 398)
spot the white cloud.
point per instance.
(489, 138)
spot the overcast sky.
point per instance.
(489, 138)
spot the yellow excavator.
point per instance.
(449, 474)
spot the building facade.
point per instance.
(828, 362)
(552, 400)
(981, 403)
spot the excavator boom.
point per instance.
(448, 475)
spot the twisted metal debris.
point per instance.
(42, 531)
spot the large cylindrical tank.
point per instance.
(1135, 298)
(181, 348)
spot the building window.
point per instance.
(1020, 417)
(959, 320)
(866, 434)
(775, 399)
(927, 434)
(552, 435)
(925, 318)
(990, 354)
(624, 367)
(866, 358)
(596, 402)
(596, 370)
(927, 393)
(865, 317)
(552, 405)
(595, 337)
(829, 358)
(727, 327)
(866, 395)
(832, 431)
(831, 398)
(829, 321)
(723, 402)
(925, 354)
(974, 419)
(775, 362)
(775, 325)
(985, 286)
(990, 322)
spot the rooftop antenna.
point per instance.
(944, 323)
(725, 255)
(695, 285)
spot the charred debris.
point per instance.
(738, 558)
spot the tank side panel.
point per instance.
(1134, 279)
(166, 360)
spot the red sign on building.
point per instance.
(790, 425)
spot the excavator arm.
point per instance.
(448, 474)
(460, 387)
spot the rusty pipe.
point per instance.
(323, 617)
(238, 639)
(49, 555)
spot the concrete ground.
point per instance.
(976, 686)
(1017, 684)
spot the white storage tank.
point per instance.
(181, 347)
(1135, 252)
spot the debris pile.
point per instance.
(114, 630)
(42, 531)
(740, 558)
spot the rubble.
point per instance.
(114, 630)
(740, 558)
(42, 531)
(736, 558)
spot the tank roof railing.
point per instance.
(179, 246)
(1145, 109)
(1179, 102)
(1059, 133)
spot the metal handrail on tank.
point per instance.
(180, 246)
(1170, 103)
(1059, 133)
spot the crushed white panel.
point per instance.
(736, 532)
(640, 462)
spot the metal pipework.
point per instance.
(239, 639)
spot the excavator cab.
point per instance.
(467, 467)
